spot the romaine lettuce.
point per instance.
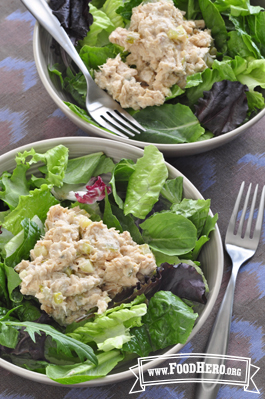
(237, 7)
(14, 185)
(38, 202)
(168, 321)
(100, 29)
(55, 160)
(145, 183)
(111, 329)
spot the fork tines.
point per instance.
(123, 124)
(259, 219)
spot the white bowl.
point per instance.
(211, 256)
(44, 57)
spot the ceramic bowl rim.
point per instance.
(219, 260)
(177, 149)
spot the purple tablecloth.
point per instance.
(27, 114)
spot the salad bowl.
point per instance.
(211, 256)
(45, 57)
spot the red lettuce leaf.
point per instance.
(182, 280)
(148, 287)
(95, 191)
(223, 108)
(26, 346)
(74, 16)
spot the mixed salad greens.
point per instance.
(199, 111)
(137, 197)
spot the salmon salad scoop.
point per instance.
(80, 264)
(164, 49)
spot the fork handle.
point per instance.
(218, 340)
(43, 14)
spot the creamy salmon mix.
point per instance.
(79, 265)
(164, 49)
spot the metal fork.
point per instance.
(101, 107)
(241, 245)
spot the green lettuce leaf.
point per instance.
(255, 100)
(169, 233)
(55, 160)
(100, 29)
(168, 321)
(237, 7)
(80, 170)
(20, 245)
(191, 7)
(145, 183)
(230, 68)
(109, 8)
(173, 190)
(5, 237)
(81, 372)
(194, 80)
(125, 10)
(246, 72)
(238, 69)
(3, 288)
(241, 43)
(39, 366)
(38, 202)
(253, 76)
(120, 178)
(27, 310)
(215, 22)
(169, 124)
(93, 57)
(57, 70)
(207, 228)
(64, 343)
(162, 258)
(14, 185)
(105, 165)
(175, 92)
(111, 329)
(227, 69)
(128, 224)
(209, 77)
(76, 85)
(108, 218)
(194, 210)
(256, 26)
(8, 335)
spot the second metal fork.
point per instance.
(241, 243)
(101, 107)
